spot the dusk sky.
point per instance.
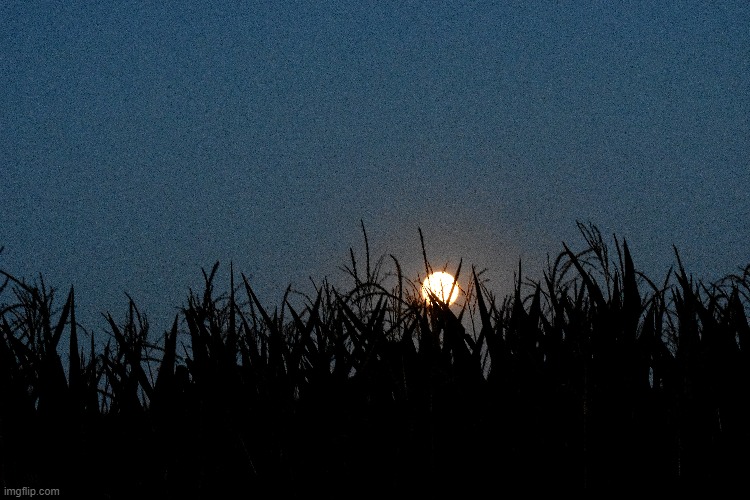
(143, 141)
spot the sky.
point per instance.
(143, 141)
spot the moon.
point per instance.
(440, 284)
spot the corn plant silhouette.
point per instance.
(592, 378)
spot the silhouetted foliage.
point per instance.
(593, 378)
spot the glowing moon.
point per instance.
(440, 284)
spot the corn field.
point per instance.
(592, 378)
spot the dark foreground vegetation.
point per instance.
(593, 378)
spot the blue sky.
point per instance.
(142, 141)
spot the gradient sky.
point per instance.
(142, 141)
